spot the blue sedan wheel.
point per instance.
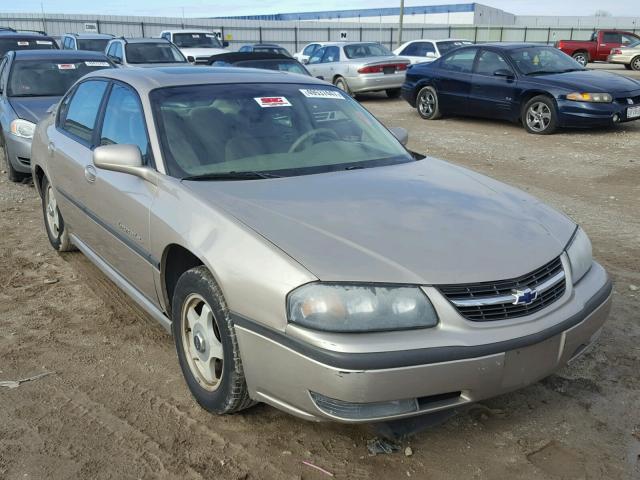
(540, 116)
(427, 103)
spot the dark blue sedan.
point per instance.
(535, 84)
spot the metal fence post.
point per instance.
(548, 35)
(361, 33)
(475, 36)
(260, 34)
(295, 37)
(391, 38)
(525, 34)
(571, 34)
(142, 28)
(98, 25)
(449, 35)
(328, 34)
(501, 32)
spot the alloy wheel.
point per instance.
(202, 342)
(427, 103)
(581, 59)
(538, 117)
(53, 216)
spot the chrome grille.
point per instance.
(487, 301)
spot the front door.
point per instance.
(454, 80)
(493, 89)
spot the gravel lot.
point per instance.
(116, 406)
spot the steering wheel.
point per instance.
(310, 134)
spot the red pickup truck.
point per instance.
(598, 47)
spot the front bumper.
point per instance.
(18, 151)
(293, 375)
(585, 114)
(373, 82)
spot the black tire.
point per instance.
(393, 92)
(544, 116)
(231, 394)
(582, 58)
(12, 174)
(635, 63)
(59, 239)
(341, 83)
(428, 103)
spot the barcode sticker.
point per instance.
(316, 93)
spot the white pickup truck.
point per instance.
(197, 45)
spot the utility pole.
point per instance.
(401, 22)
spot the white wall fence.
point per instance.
(291, 35)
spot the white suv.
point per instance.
(197, 45)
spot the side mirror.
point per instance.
(320, 77)
(225, 44)
(124, 159)
(504, 72)
(401, 134)
(431, 55)
(116, 60)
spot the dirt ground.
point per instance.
(116, 406)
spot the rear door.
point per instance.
(493, 95)
(453, 82)
(120, 203)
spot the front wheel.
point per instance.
(53, 221)
(540, 116)
(206, 344)
(635, 63)
(12, 173)
(582, 58)
(428, 104)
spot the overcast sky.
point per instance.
(211, 8)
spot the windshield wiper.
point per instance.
(232, 176)
(542, 72)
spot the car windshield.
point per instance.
(92, 44)
(196, 40)
(449, 45)
(48, 78)
(543, 60)
(362, 50)
(30, 43)
(153, 53)
(262, 130)
(282, 65)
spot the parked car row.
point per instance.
(316, 243)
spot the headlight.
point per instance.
(23, 128)
(590, 97)
(580, 255)
(360, 308)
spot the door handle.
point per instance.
(51, 148)
(90, 173)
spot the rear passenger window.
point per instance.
(80, 111)
(460, 60)
(124, 121)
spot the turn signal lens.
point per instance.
(590, 97)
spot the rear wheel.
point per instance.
(582, 58)
(427, 103)
(540, 116)
(393, 92)
(341, 83)
(635, 63)
(53, 221)
(206, 344)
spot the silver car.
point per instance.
(144, 52)
(359, 67)
(301, 255)
(628, 55)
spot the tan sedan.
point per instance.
(628, 55)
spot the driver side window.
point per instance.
(489, 62)
(317, 56)
(460, 60)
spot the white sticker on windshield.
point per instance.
(44, 42)
(195, 35)
(268, 102)
(96, 64)
(316, 93)
(66, 66)
(23, 44)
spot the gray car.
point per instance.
(359, 67)
(301, 255)
(31, 81)
(144, 52)
(94, 42)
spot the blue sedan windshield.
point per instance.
(543, 59)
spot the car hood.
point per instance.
(424, 222)
(588, 80)
(202, 52)
(32, 108)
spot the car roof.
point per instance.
(512, 45)
(191, 30)
(55, 54)
(90, 36)
(18, 35)
(232, 57)
(141, 40)
(147, 79)
(266, 45)
(343, 44)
